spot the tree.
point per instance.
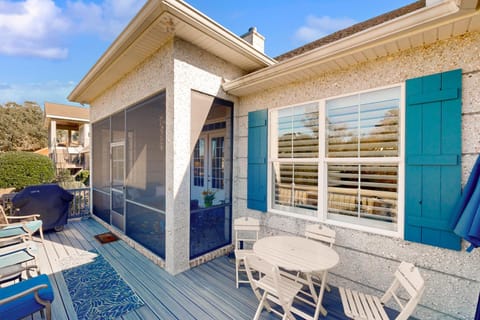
(21, 127)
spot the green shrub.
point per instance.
(21, 169)
(83, 176)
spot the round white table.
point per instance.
(299, 254)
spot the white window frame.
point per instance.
(322, 215)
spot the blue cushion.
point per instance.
(26, 305)
(33, 225)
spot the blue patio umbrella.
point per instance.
(466, 216)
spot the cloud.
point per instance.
(40, 92)
(41, 28)
(106, 19)
(317, 27)
(31, 28)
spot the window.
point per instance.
(350, 145)
(295, 159)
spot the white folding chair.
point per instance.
(357, 305)
(271, 286)
(246, 231)
(323, 234)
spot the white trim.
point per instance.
(54, 117)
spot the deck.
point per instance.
(204, 292)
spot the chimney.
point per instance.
(255, 39)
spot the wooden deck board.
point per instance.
(204, 292)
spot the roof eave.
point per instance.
(401, 26)
(143, 20)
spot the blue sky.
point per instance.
(47, 46)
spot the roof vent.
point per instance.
(255, 39)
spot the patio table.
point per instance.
(303, 255)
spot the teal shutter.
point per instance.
(257, 160)
(433, 157)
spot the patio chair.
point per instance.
(14, 259)
(271, 286)
(246, 231)
(323, 234)
(358, 305)
(25, 298)
(27, 225)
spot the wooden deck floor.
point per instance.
(204, 292)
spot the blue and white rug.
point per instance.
(96, 289)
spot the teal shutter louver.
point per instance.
(257, 160)
(433, 147)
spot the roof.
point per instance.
(155, 24)
(409, 27)
(353, 29)
(43, 151)
(66, 112)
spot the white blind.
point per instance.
(363, 191)
(363, 125)
(296, 185)
(297, 132)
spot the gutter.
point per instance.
(414, 22)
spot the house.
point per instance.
(68, 136)
(372, 130)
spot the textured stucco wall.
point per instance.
(178, 67)
(147, 79)
(194, 69)
(368, 260)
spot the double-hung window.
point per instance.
(338, 159)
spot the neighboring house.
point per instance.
(68, 136)
(372, 130)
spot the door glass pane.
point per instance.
(118, 167)
(217, 162)
(199, 163)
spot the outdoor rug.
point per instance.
(96, 289)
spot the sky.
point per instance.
(48, 46)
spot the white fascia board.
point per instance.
(411, 23)
(54, 117)
(199, 21)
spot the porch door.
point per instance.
(208, 168)
(117, 206)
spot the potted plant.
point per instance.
(208, 197)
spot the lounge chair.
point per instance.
(26, 225)
(25, 298)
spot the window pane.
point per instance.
(364, 125)
(364, 193)
(298, 132)
(296, 187)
